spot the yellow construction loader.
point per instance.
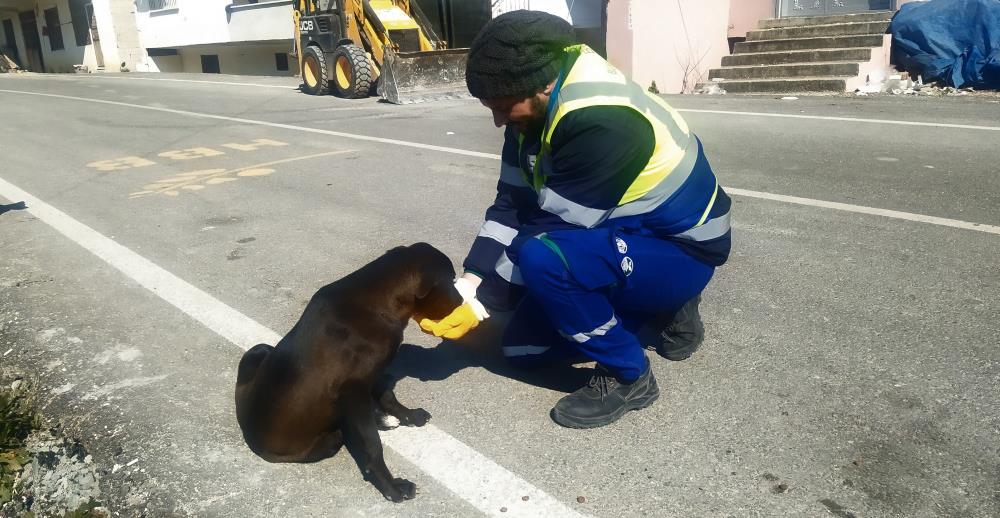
(359, 47)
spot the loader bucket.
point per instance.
(414, 77)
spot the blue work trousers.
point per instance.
(589, 290)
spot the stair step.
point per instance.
(799, 21)
(798, 56)
(827, 42)
(816, 31)
(774, 86)
(793, 70)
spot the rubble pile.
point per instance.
(7, 65)
(902, 84)
(59, 479)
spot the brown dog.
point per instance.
(318, 388)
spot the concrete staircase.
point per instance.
(813, 54)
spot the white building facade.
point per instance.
(58, 35)
(222, 36)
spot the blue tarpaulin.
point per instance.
(956, 42)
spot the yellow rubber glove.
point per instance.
(454, 326)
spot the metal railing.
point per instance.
(155, 5)
(505, 6)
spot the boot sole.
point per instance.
(597, 422)
(680, 354)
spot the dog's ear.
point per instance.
(429, 277)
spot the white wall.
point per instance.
(129, 47)
(251, 59)
(163, 64)
(192, 22)
(257, 22)
(583, 14)
(200, 22)
(107, 29)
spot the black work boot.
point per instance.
(605, 399)
(676, 336)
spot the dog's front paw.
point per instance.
(415, 417)
(384, 421)
(402, 489)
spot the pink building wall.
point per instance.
(744, 15)
(672, 43)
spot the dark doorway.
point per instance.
(210, 64)
(54, 29)
(32, 42)
(10, 44)
(457, 21)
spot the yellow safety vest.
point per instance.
(592, 81)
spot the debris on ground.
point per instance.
(710, 89)
(903, 84)
(8, 65)
(41, 472)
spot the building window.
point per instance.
(81, 23)
(155, 53)
(281, 61)
(210, 63)
(8, 32)
(53, 29)
(144, 6)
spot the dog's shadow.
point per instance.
(482, 349)
(13, 206)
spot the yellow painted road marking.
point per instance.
(191, 153)
(170, 185)
(492, 156)
(257, 144)
(120, 164)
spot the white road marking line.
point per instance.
(102, 76)
(845, 119)
(366, 138)
(895, 214)
(739, 192)
(682, 110)
(476, 479)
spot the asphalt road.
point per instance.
(852, 365)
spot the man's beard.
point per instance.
(539, 108)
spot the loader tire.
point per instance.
(314, 72)
(352, 72)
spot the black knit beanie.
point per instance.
(517, 54)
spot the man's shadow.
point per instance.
(481, 348)
(13, 206)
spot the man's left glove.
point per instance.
(463, 319)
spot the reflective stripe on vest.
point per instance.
(592, 81)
